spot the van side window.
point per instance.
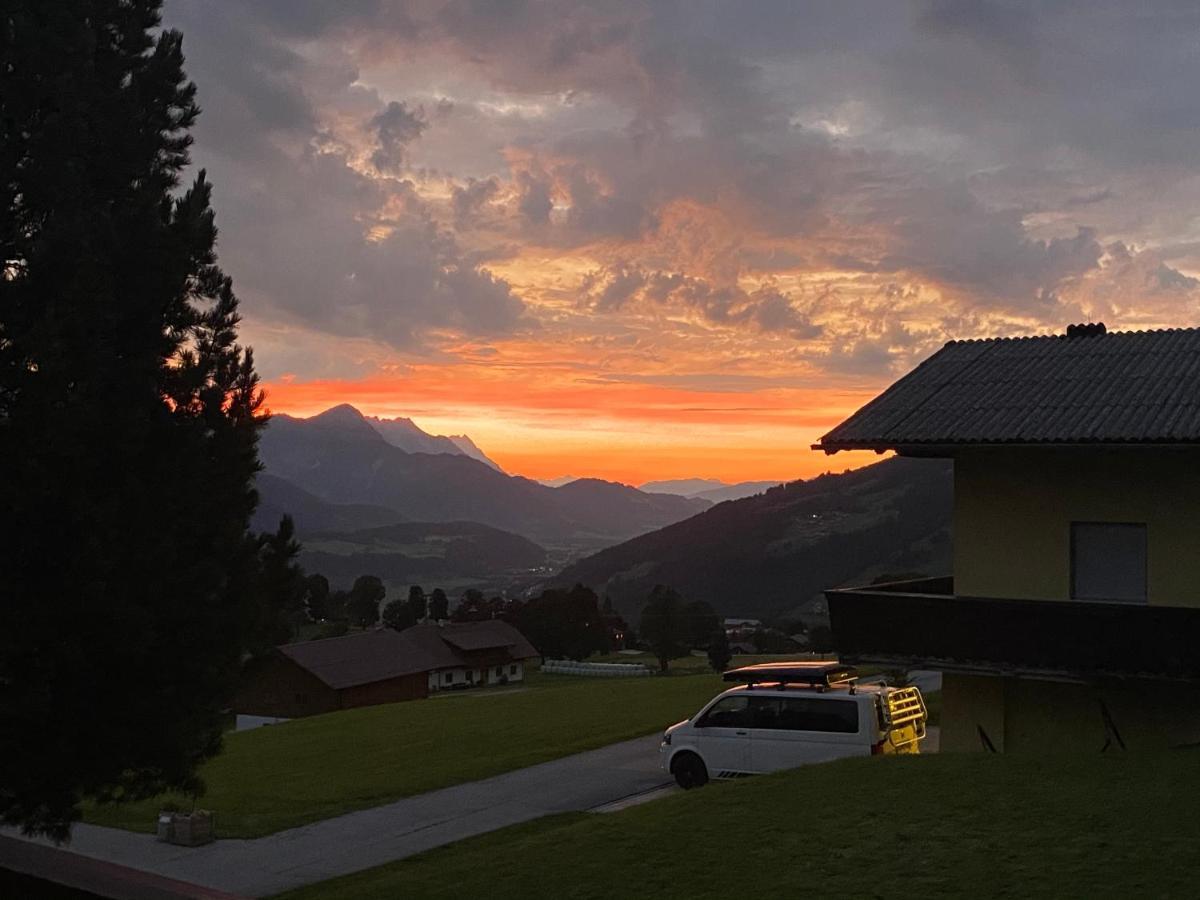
(808, 714)
(730, 712)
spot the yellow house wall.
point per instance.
(1013, 511)
(1012, 529)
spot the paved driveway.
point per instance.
(368, 838)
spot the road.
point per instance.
(371, 837)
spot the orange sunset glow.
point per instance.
(626, 433)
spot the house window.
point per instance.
(512, 670)
(448, 678)
(499, 671)
(1108, 561)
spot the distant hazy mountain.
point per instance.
(684, 487)
(471, 449)
(711, 489)
(433, 553)
(773, 554)
(558, 482)
(341, 458)
(406, 435)
(736, 491)
(277, 496)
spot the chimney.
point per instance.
(1091, 329)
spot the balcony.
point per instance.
(923, 624)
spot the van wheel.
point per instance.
(689, 771)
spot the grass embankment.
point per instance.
(305, 770)
(944, 826)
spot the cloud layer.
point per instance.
(667, 192)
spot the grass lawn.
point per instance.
(1120, 825)
(285, 775)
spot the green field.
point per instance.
(285, 775)
(931, 826)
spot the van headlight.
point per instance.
(666, 738)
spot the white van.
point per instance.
(788, 714)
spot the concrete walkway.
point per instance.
(372, 837)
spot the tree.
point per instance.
(399, 615)
(820, 639)
(439, 605)
(362, 606)
(702, 623)
(473, 607)
(337, 606)
(719, 653)
(280, 589)
(129, 419)
(562, 623)
(317, 599)
(417, 602)
(666, 626)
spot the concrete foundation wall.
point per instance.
(1030, 716)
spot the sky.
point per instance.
(645, 240)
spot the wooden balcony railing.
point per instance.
(923, 624)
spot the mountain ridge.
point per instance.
(773, 554)
(340, 457)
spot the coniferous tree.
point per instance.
(280, 590)
(129, 418)
(362, 605)
(439, 605)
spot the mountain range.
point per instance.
(770, 556)
(710, 489)
(405, 434)
(342, 458)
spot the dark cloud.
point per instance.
(468, 199)
(535, 201)
(395, 128)
(765, 309)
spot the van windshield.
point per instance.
(728, 712)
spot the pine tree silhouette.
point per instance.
(129, 418)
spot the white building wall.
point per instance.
(448, 679)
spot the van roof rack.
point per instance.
(820, 674)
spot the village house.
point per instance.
(1072, 617)
(382, 666)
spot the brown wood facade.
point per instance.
(277, 686)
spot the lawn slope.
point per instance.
(930, 826)
(305, 770)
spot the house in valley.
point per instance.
(381, 666)
(1072, 616)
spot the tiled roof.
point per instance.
(384, 653)
(1121, 388)
(489, 635)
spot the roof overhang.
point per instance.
(948, 450)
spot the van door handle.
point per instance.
(742, 733)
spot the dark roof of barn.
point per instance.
(492, 634)
(1117, 388)
(383, 653)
